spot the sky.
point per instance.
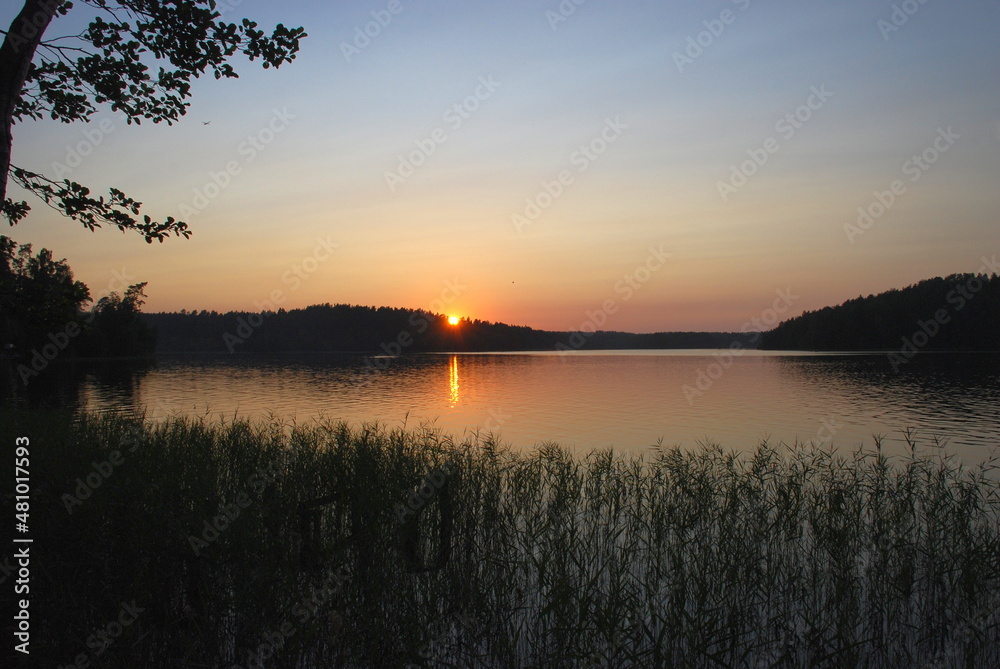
(641, 166)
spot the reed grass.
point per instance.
(789, 556)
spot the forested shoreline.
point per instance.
(43, 314)
(391, 331)
(960, 312)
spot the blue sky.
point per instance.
(661, 124)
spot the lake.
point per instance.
(628, 400)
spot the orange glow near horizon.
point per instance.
(533, 215)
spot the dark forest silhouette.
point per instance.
(389, 331)
(960, 312)
(43, 316)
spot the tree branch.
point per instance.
(16, 52)
(115, 65)
(74, 201)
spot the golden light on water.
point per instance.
(453, 378)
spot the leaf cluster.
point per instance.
(112, 61)
(139, 57)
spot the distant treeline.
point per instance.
(391, 331)
(960, 312)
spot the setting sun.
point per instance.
(453, 320)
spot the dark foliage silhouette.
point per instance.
(389, 331)
(960, 312)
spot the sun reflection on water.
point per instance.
(453, 379)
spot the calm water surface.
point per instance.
(624, 399)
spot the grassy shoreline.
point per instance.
(267, 544)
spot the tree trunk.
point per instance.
(15, 57)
